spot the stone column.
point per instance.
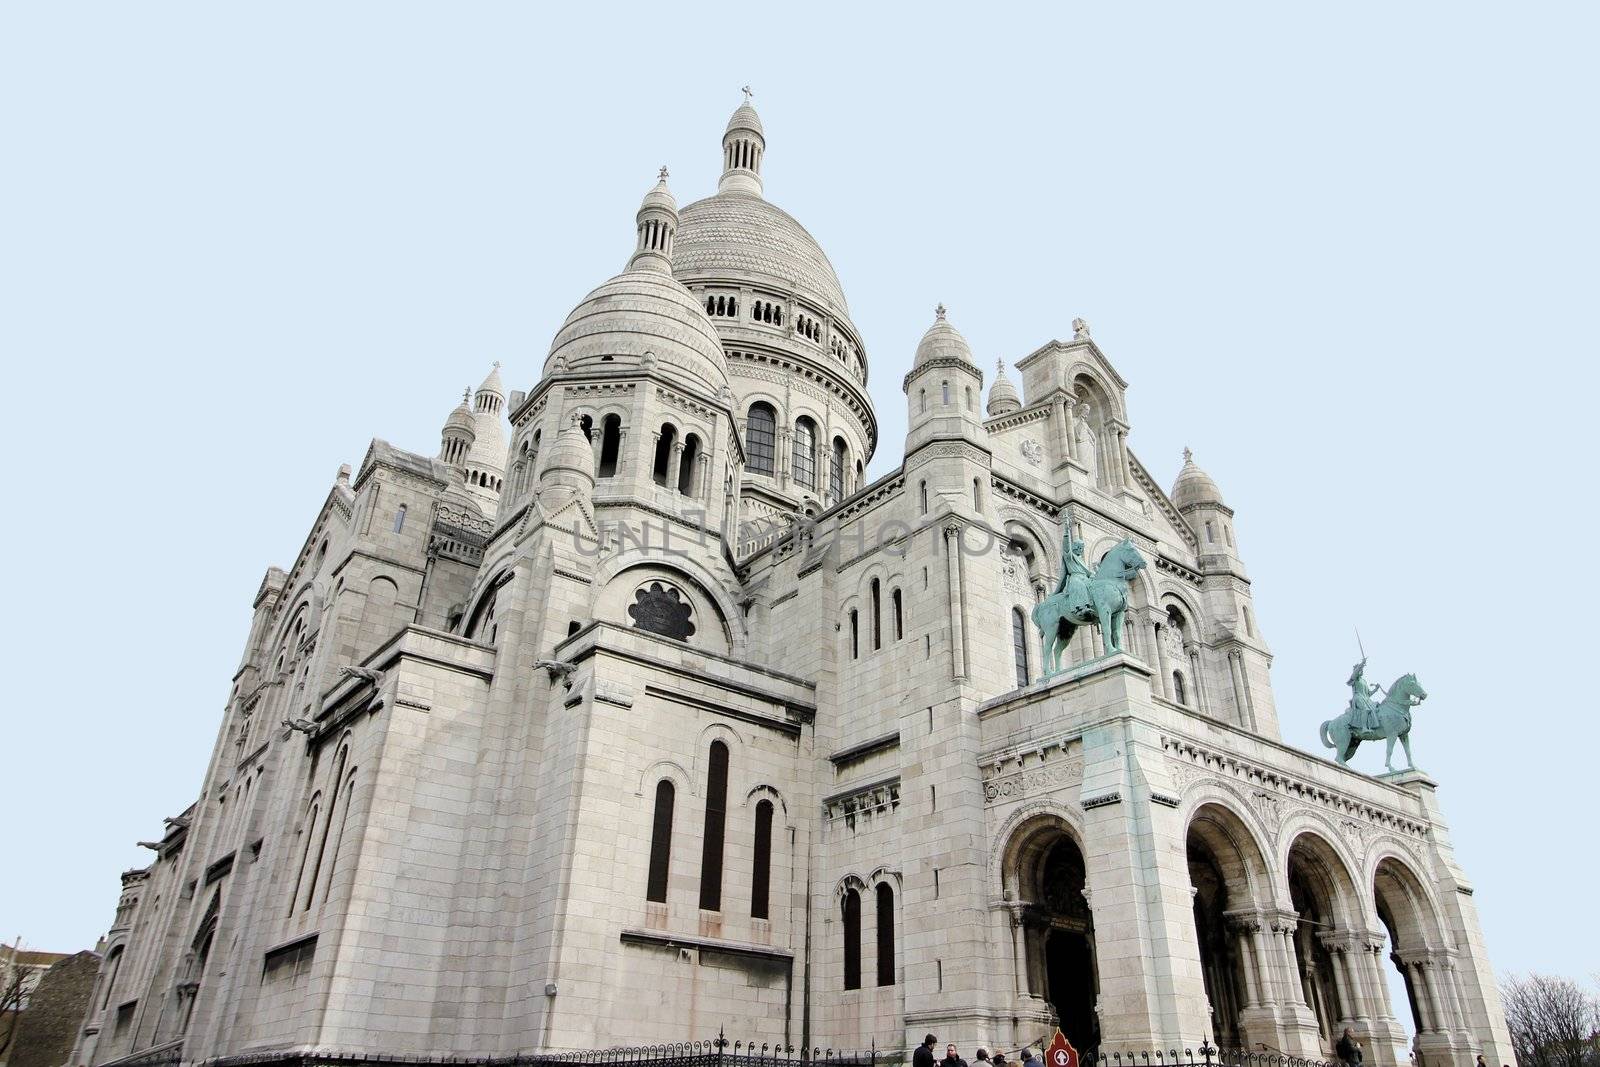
(1164, 669)
(1241, 690)
(952, 555)
(675, 465)
(1201, 700)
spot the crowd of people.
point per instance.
(923, 1057)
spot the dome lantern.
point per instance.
(657, 228)
(743, 146)
(1003, 399)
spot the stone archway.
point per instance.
(1045, 875)
(1334, 955)
(1420, 953)
(1229, 877)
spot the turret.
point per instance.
(743, 145)
(657, 226)
(455, 441)
(1003, 398)
(1198, 499)
(943, 388)
(485, 463)
(943, 394)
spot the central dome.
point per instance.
(741, 235)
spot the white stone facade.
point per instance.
(643, 715)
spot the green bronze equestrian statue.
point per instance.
(1364, 720)
(1081, 598)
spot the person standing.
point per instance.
(983, 1058)
(923, 1056)
(951, 1058)
(1349, 1049)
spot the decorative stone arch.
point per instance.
(1236, 839)
(1233, 896)
(762, 791)
(1399, 886)
(1043, 872)
(665, 768)
(501, 573)
(715, 731)
(1169, 594)
(1110, 394)
(1044, 546)
(722, 620)
(895, 879)
(847, 882)
(1023, 821)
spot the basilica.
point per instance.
(632, 711)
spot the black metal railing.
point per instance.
(721, 1051)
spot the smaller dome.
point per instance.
(745, 118)
(492, 383)
(660, 196)
(942, 341)
(1003, 398)
(1194, 487)
(461, 417)
(571, 455)
(642, 317)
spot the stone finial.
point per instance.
(344, 474)
(663, 174)
(938, 312)
(748, 93)
(1188, 456)
(1080, 330)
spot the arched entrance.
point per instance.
(1229, 877)
(1327, 947)
(1046, 875)
(1417, 949)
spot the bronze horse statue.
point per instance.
(1102, 598)
(1344, 735)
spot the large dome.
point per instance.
(742, 235)
(640, 313)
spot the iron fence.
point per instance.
(722, 1051)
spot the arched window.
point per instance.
(805, 452)
(945, 388)
(969, 398)
(716, 822)
(305, 852)
(855, 635)
(1019, 646)
(923, 394)
(899, 615)
(877, 616)
(400, 518)
(885, 934)
(686, 468)
(338, 838)
(923, 489)
(852, 939)
(977, 495)
(836, 469)
(1178, 694)
(664, 443)
(610, 445)
(327, 824)
(113, 965)
(761, 875)
(660, 843)
(760, 434)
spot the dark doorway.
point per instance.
(1064, 940)
(1069, 972)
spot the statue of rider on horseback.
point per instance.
(1365, 719)
(1083, 597)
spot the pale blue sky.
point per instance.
(1347, 255)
